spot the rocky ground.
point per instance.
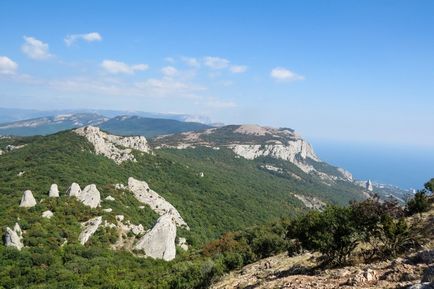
(413, 270)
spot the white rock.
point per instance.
(109, 198)
(108, 210)
(20, 174)
(90, 196)
(141, 207)
(54, 191)
(311, 202)
(182, 242)
(114, 147)
(159, 243)
(74, 190)
(27, 200)
(145, 195)
(120, 187)
(109, 225)
(201, 174)
(120, 218)
(369, 186)
(136, 229)
(89, 228)
(47, 214)
(14, 238)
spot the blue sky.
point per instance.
(353, 71)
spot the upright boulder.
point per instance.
(159, 243)
(74, 190)
(90, 196)
(14, 238)
(89, 228)
(54, 191)
(27, 200)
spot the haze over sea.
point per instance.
(405, 167)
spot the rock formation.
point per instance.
(311, 202)
(159, 243)
(54, 191)
(27, 200)
(145, 195)
(14, 238)
(89, 228)
(74, 190)
(369, 186)
(109, 198)
(47, 214)
(114, 147)
(182, 242)
(90, 196)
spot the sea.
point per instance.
(402, 166)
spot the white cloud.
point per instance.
(169, 71)
(117, 67)
(7, 66)
(35, 49)
(283, 74)
(216, 62)
(169, 87)
(191, 61)
(238, 68)
(88, 37)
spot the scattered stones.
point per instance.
(14, 238)
(74, 190)
(311, 202)
(54, 191)
(109, 198)
(27, 200)
(144, 194)
(120, 187)
(90, 196)
(159, 243)
(47, 214)
(136, 229)
(89, 228)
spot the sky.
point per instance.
(344, 71)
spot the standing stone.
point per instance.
(54, 191)
(74, 190)
(89, 228)
(27, 200)
(159, 243)
(14, 238)
(90, 196)
(369, 186)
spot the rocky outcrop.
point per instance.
(74, 190)
(54, 191)
(89, 228)
(369, 186)
(14, 238)
(27, 200)
(311, 202)
(117, 148)
(47, 214)
(90, 196)
(145, 195)
(159, 243)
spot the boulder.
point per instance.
(14, 238)
(47, 214)
(108, 210)
(27, 200)
(109, 198)
(90, 196)
(74, 190)
(89, 228)
(182, 242)
(54, 191)
(159, 243)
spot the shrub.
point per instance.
(418, 204)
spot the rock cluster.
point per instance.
(27, 200)
(159, 243)
(14, 238)
(89, 196)
(145, 195)
(89, 228)
(114, 147)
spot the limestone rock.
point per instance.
(47, 214)
(120, 218)
(311, 202)
(159, 243)
(89, 228)
(54, 191)
(114, 147)
(14, 238)
(27, 200)
(108, 210)
(120, 187)
(182, 242)
(20, 174)
(369, 186)
(109, 198)
(74, 190)
(145, 195)
(90, 196)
